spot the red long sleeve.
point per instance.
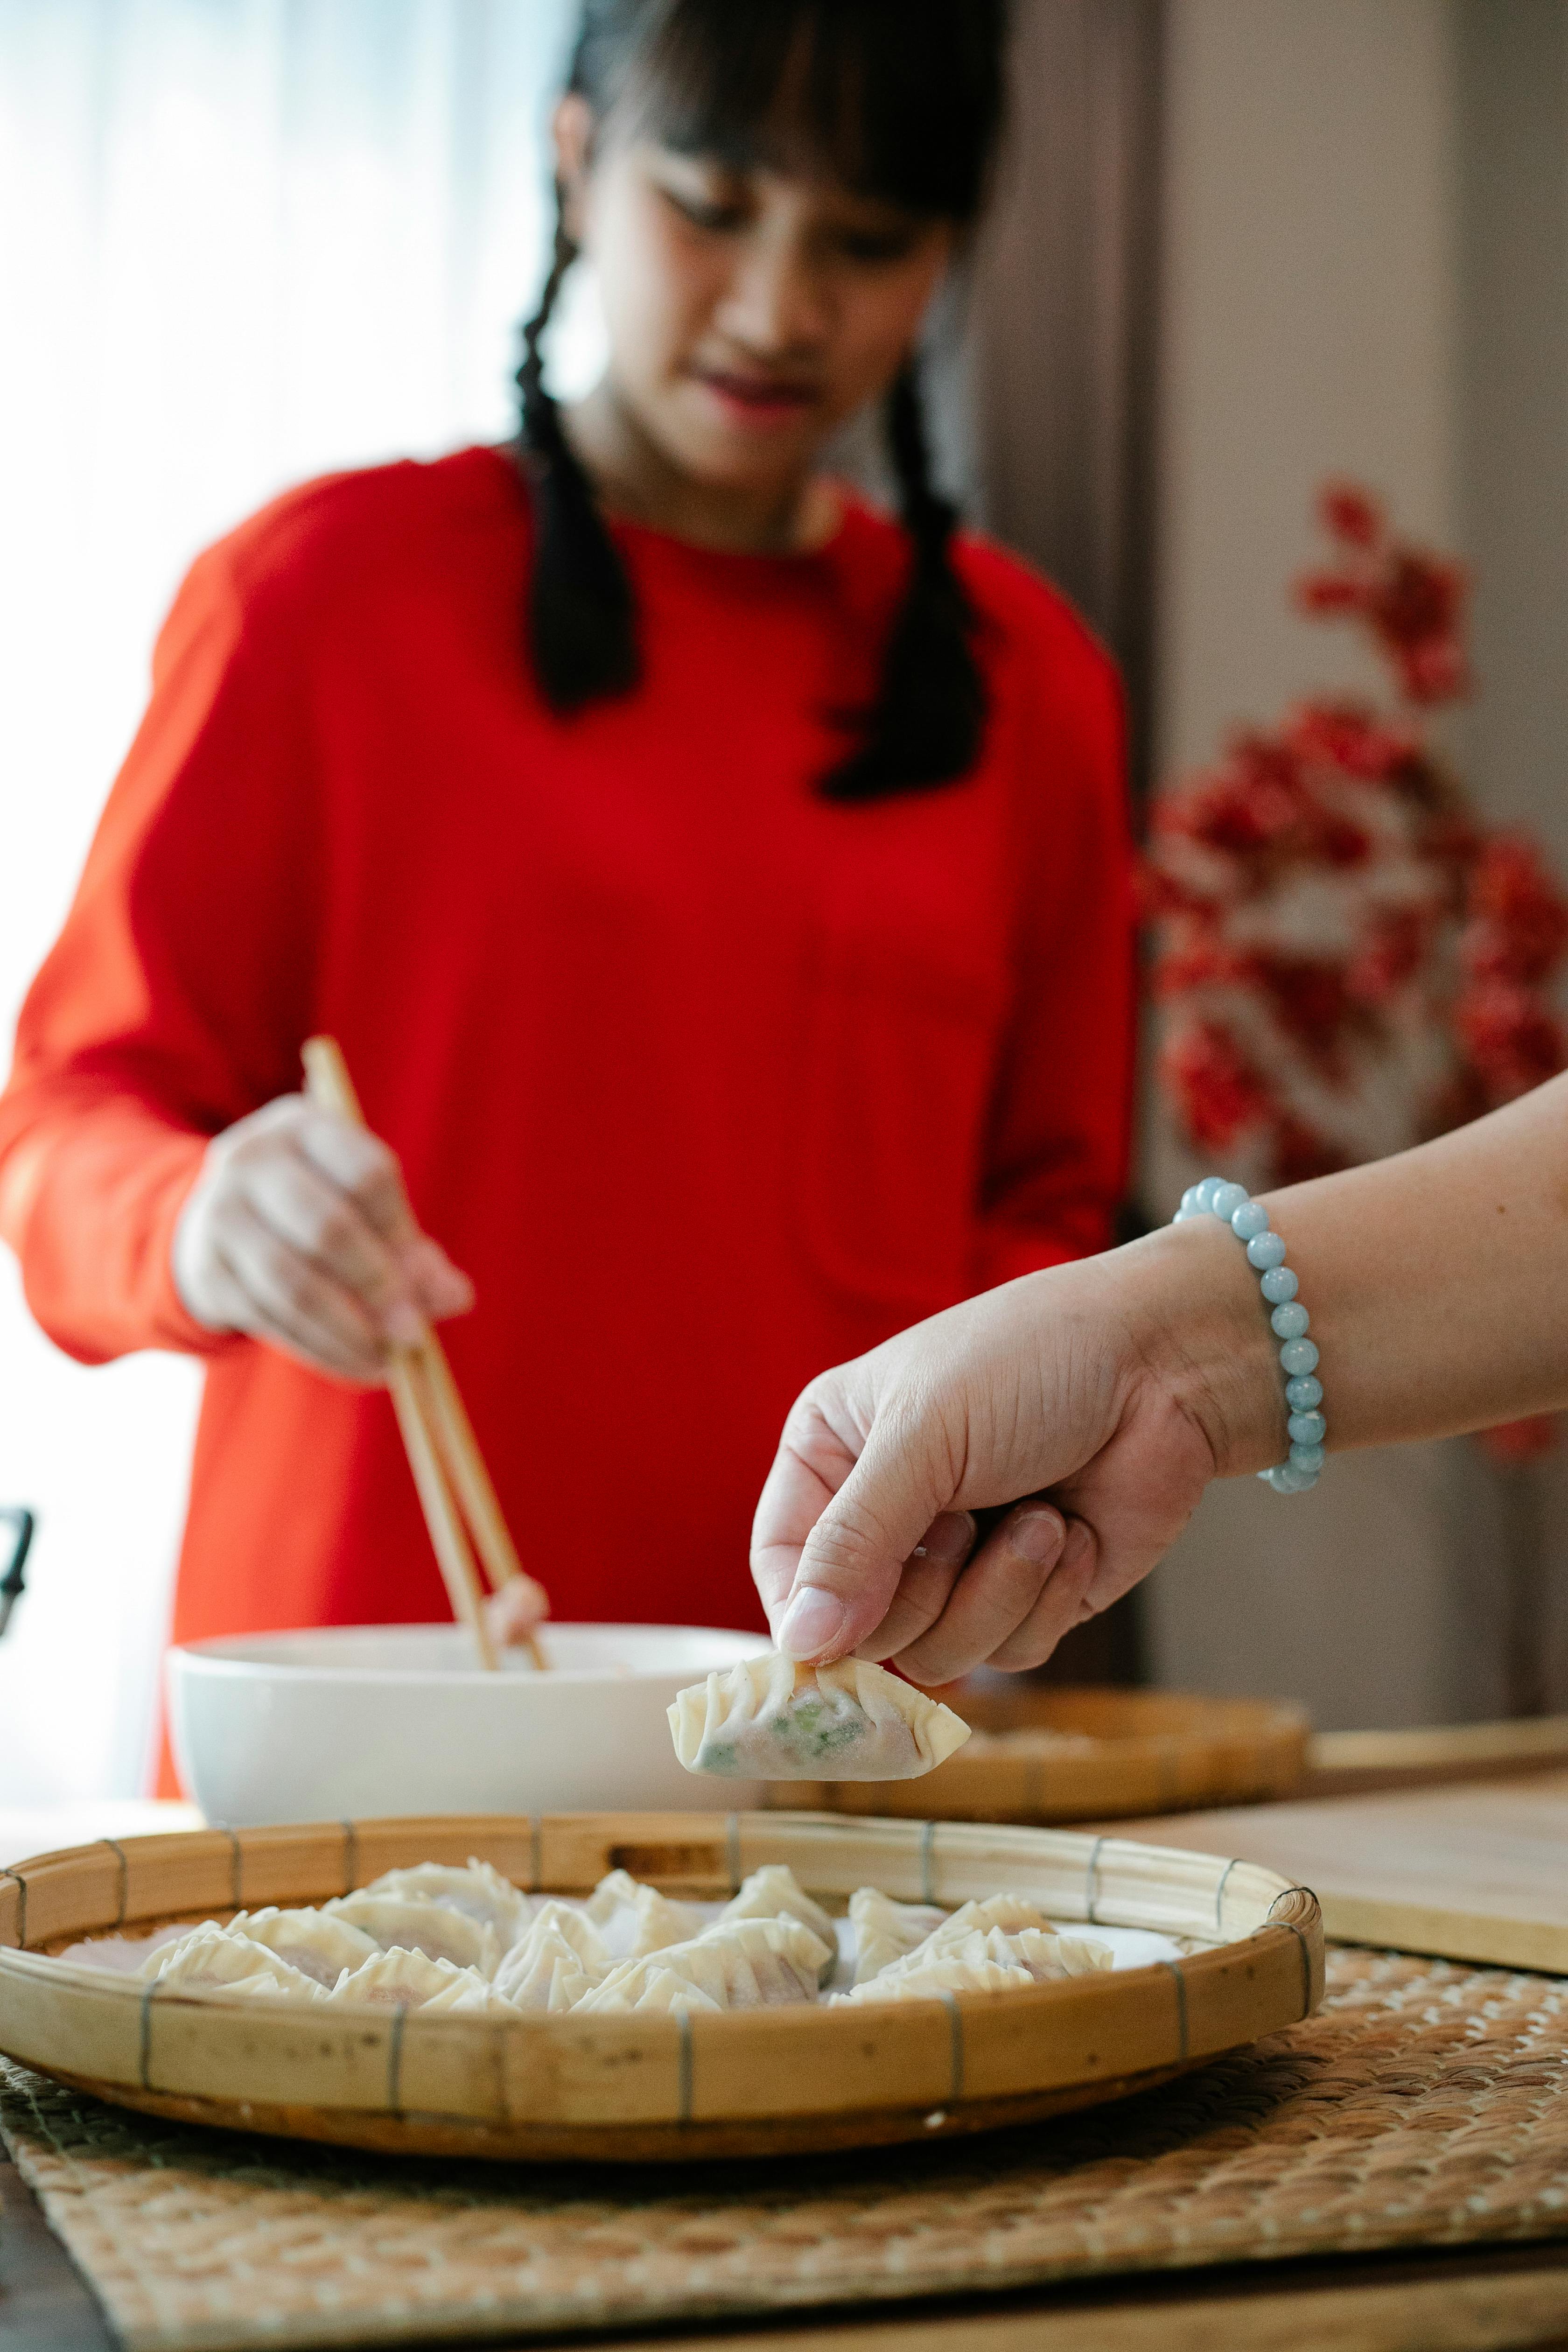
(707, 1081)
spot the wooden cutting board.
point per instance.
(1477, 1872)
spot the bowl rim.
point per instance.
(213, 1657)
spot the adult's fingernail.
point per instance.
(1039, 1535)
(813, 1622)
(950, 1538)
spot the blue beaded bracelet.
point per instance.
(1248, 1220)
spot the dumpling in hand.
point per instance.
(635, 1919)
(404, 1979)
(214, 1959)
(415, 1924)
(311, 1941)
(768, 1720)
(478, 1890)
(775, 1893)
(744, 1964)
(886, 1930)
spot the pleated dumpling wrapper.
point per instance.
(215, 1960)
(986, 1960)
(766, 1718)
(635, 1919)
(416, 1923)
(312, 1941)
(410, 1979)
(737, 1964)
(885, 1930)
(477, 1889)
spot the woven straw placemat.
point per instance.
(1426, 2102)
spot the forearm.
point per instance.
(1437, 1282)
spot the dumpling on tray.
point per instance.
(314, 1942)
(1017, 1917)
(560, 1957)
(885, 1930)
(767, 1718)
(409, 1980)
(214, 1959)
(546, 1970)
(741, 1963)
(477, 1889)
(943, 1973)
(774, 1892)
(634, 1918)
(413, 1923)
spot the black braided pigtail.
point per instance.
(924, 726)
(582, 619)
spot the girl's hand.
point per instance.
(1079, 1390)
(298, 1231)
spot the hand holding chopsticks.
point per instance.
(450, 1473)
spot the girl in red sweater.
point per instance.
(718, 889)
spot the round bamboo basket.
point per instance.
(1085, 1755)
(633, 2088)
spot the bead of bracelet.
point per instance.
(1233, 1205)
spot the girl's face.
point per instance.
(750, 312)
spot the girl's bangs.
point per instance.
(897, 100)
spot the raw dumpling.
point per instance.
(775, 1893)
(945, 1972)
(766, 1718)
(560, 1957)
(214, 1959)
(635, 1919)
(545, 1971)
(1044, 1956)
(469, 1994)
(663, 1990)
(311, 1941)
(415, 1924)
(743, 1964)
(478, 1891)
(401, 1978)
(886, 1930)
(1014, 1916)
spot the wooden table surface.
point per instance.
(1493, 1859)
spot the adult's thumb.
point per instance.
(852, 1559)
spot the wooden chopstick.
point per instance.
(465, 1467)
(437, 1434)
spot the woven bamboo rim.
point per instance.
(1154, 1752)
(632, 2088)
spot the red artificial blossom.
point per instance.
(1347, 961)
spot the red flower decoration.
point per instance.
(1349, 961)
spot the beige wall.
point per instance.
(1324, 270)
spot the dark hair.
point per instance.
(897, 98)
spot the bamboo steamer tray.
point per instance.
(634, 2088)
(1083, 1754)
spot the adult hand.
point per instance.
(298, 1231)
(1062, 1389)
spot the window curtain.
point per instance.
(241, 242)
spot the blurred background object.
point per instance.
(1241, 247)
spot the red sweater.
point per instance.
(707, 1082)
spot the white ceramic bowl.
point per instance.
(355, 1720)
